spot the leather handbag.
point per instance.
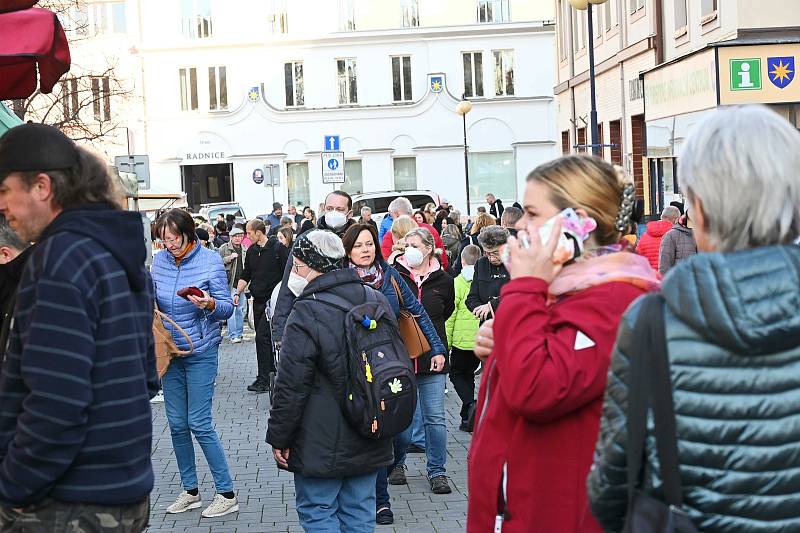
(164, 344)
(414, 339)
(650, 386)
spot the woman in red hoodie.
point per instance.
(542, 393)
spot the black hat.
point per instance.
(202, 234)
(36, 147)
(277, 205)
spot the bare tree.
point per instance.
(83, 102)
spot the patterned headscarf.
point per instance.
(308, 253)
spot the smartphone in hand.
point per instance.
(189, 291)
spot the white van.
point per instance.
(379, 202)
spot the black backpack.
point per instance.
(381, 393)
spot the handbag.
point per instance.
(414, 339)
(650, 386)
(164, 344)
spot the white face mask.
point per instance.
(468, 272)
(335, 219)
(296, 284)
(413, 257)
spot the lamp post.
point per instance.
(584, 5)
(464, 107)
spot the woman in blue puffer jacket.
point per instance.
(189, 381)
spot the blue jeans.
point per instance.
(336, 505)
(382, 482)
(431, 401)
(417, 427)
(236, 321)
(188, 393)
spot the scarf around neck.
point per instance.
(372, 276)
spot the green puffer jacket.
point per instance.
(462, 326)
(733, 338)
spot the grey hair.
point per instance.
(285, 221)
(670, 213)
(493, 237)
(9, 238)
(427, 240)
(511, 216)
(470, 255)
(328, 243)
(366, 209)
(741, 163)
(402, 205)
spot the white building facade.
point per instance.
(231, 90)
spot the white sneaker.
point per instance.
(158, 398)
(237, 340)
(221, 506)
(185, 502)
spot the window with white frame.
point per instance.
(473, 73)
(597, 23)
(405, 173)
(196, 19)
(107, 17)
(297, 183)
(563, 28)
(347, 15)
(401, 78)
(409, 13)
(503, 72)
(353, 181)
(217, 88)
(636, 5)
(293, 83)
(707, 7)
(611, 18)
(101, 98)
(681, 17)
(493, 11)
(70, 103)
(75, 20)
(278, 18)
(578, 30)
(188, 87)
(346, 74)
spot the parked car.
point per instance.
(379, 201)
(210, 211)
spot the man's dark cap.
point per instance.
(277, 205)
(31, 147)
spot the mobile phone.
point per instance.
(189, 291)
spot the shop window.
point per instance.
(405, 173)
(492, 172)
(297, 183)
(353, 181)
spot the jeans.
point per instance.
(236, 321)
(266, 361)
(382, 482)
(463, 364)
(188, 393)
(431, 400)
(68, 517)
(336, 505)
(417, 428)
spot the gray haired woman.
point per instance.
(490, 273)
(733, 337)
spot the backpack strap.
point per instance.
(333, 300)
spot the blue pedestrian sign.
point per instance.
(332, 167)
(331, 143)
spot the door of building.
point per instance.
(664, 183)
(205, 184)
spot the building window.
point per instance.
(297, 184)
(405, 173)
(346, 71)
(473, 74)
(566, 149)
(611, 20)
(107, 17)
(217, 88)
(579, 23)
(563, 28)
(493, 11)
(75, 20)
(503, 72)
(401, 78)
(492, 172)
(347, 15)
(680, 14)
(353, 182)
(69, 99)
(615, 132)
(708, 7)
(101, 99)
(581, 140)
(409, 16)
(293, 81)
(188, 80)
(636, 5)
(196, 19)
(279, 17)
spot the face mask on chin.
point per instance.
(335, 219)
(297, 284)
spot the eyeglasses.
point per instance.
(173, 242)
(297, 267)
(494, 254)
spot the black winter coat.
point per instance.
(438, 297)
(496, 209)
(468, 239)
(486, 284)
(305, 414)
(264, 266)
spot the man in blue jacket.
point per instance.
(79, 371)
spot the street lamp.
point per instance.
(582, 5)
(464, 107)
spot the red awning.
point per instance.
(30, 38)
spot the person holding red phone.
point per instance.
(192, 288)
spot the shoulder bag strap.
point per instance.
(664, 412)
(163, 316)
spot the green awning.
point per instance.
(7, 119)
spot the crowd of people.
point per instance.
(574, 321)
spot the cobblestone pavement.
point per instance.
(266, 495)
